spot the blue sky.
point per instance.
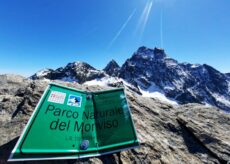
(51, 33)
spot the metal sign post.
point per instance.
(70, 124)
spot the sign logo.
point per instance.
(57, 97)
(74, 101)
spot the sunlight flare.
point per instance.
(121, 29)
(144, 19)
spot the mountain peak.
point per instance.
(112, 68)
(157, 53)
(79, 64)
(151, 71)
(113, 62)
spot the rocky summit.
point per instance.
(112, 68)
(73, 72)
(151, 69)
(191, 133)
(151, 72)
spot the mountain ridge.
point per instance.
(73, 72)
(152, 71)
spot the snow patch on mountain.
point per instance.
(221, 99)
(171, 62)
(105, 81)
(43, 72)
(155, 92)
(195, 65)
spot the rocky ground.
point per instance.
(190, 133)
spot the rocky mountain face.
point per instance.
(189, 133)
(112, 68)
(184, 82)
(151, 71)
(73, 72)
(228, 75)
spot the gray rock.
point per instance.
(167, 134)
(210, 127)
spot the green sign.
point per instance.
(68, 124)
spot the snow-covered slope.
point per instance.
(104, 81)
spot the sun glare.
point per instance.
(144, 18)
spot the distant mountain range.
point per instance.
(152, 73)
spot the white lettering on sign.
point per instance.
(57, 97)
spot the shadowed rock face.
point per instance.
(168, 134)
(112, 68)
(228, 74)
